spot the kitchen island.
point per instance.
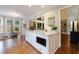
(45, 42)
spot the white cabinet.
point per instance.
(30, 38)
(52, 43)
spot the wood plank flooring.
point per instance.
(67, 47)
(15, 46)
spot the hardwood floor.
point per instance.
(16, 46)
(67, 47)
(20, 46)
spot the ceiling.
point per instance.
(23, 10)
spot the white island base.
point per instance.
(43, 42)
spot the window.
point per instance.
(51, 21)
(9, 24)
(1, 25)
(40, 26)
(24, 26)
(34, 25)
(17, 22)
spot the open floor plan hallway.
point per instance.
(67, 47)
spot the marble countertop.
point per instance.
(40, 32)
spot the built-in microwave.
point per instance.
(41, 41)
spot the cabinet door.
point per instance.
(32, 38)
(52, 43)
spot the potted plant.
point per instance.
(15, 30)
(54, 28)
(11, 28)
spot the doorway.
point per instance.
(65, 37)
(66, 46)
(64, 18)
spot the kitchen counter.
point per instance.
(49, 39)
(40, 32)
